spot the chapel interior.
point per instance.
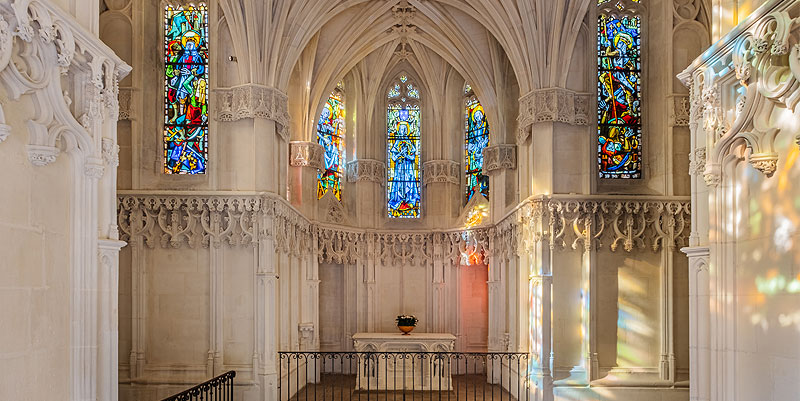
(561, 200)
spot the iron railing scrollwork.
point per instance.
(344, 376)
(219, 388)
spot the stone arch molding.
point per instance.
(740, 94)
(37, 46)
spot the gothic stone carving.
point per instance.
(253, 101)
(306, 154)
(499, 157)
(446, 171)
(366, 170)
(552, 104)
(762, 84)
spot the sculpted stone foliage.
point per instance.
(253, 101)
(446, 171)
(499, 157)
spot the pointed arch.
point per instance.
(403, 148)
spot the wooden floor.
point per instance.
(336, 387)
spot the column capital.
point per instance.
(253, 101)
(552, 105)
(366, 170)
(306, 154)
(446, 171)
(499, 157)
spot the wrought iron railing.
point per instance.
(402, 376)
(219, 388)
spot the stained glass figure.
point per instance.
(403, 152)
(619, 96)
(186, 89)
(330, 134)
(476, 139)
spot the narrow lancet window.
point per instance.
(619, 123)
(403, 149)
(330, 134)
(476, 139)
(186, 89)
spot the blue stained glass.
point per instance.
(186, 89)
(330, 134)
(619, 97)
(476, 139)
(403, 156)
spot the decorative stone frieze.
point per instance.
(562, 222)
(306, 154)
(253, 101)
(554, 105)
(572, 222)
(499, 157)
(441, 171)
(366, 170)
(193, 221)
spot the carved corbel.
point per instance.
(499, 157)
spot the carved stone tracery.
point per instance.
(366, 170)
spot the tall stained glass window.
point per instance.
(186, 89)
(403, 150)
(330, 134)
(476, 139)
(619, 124)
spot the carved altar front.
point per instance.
(393, 361)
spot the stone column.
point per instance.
(369, 179)
(442, 186)
(265, 358)
(305, 159)
(499, 161)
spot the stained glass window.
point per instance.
(403, 150)
(476, 139)
(186, 89)
(330, 134)
(619, 148)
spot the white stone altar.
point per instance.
(412, 371)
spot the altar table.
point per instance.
(408, 369)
